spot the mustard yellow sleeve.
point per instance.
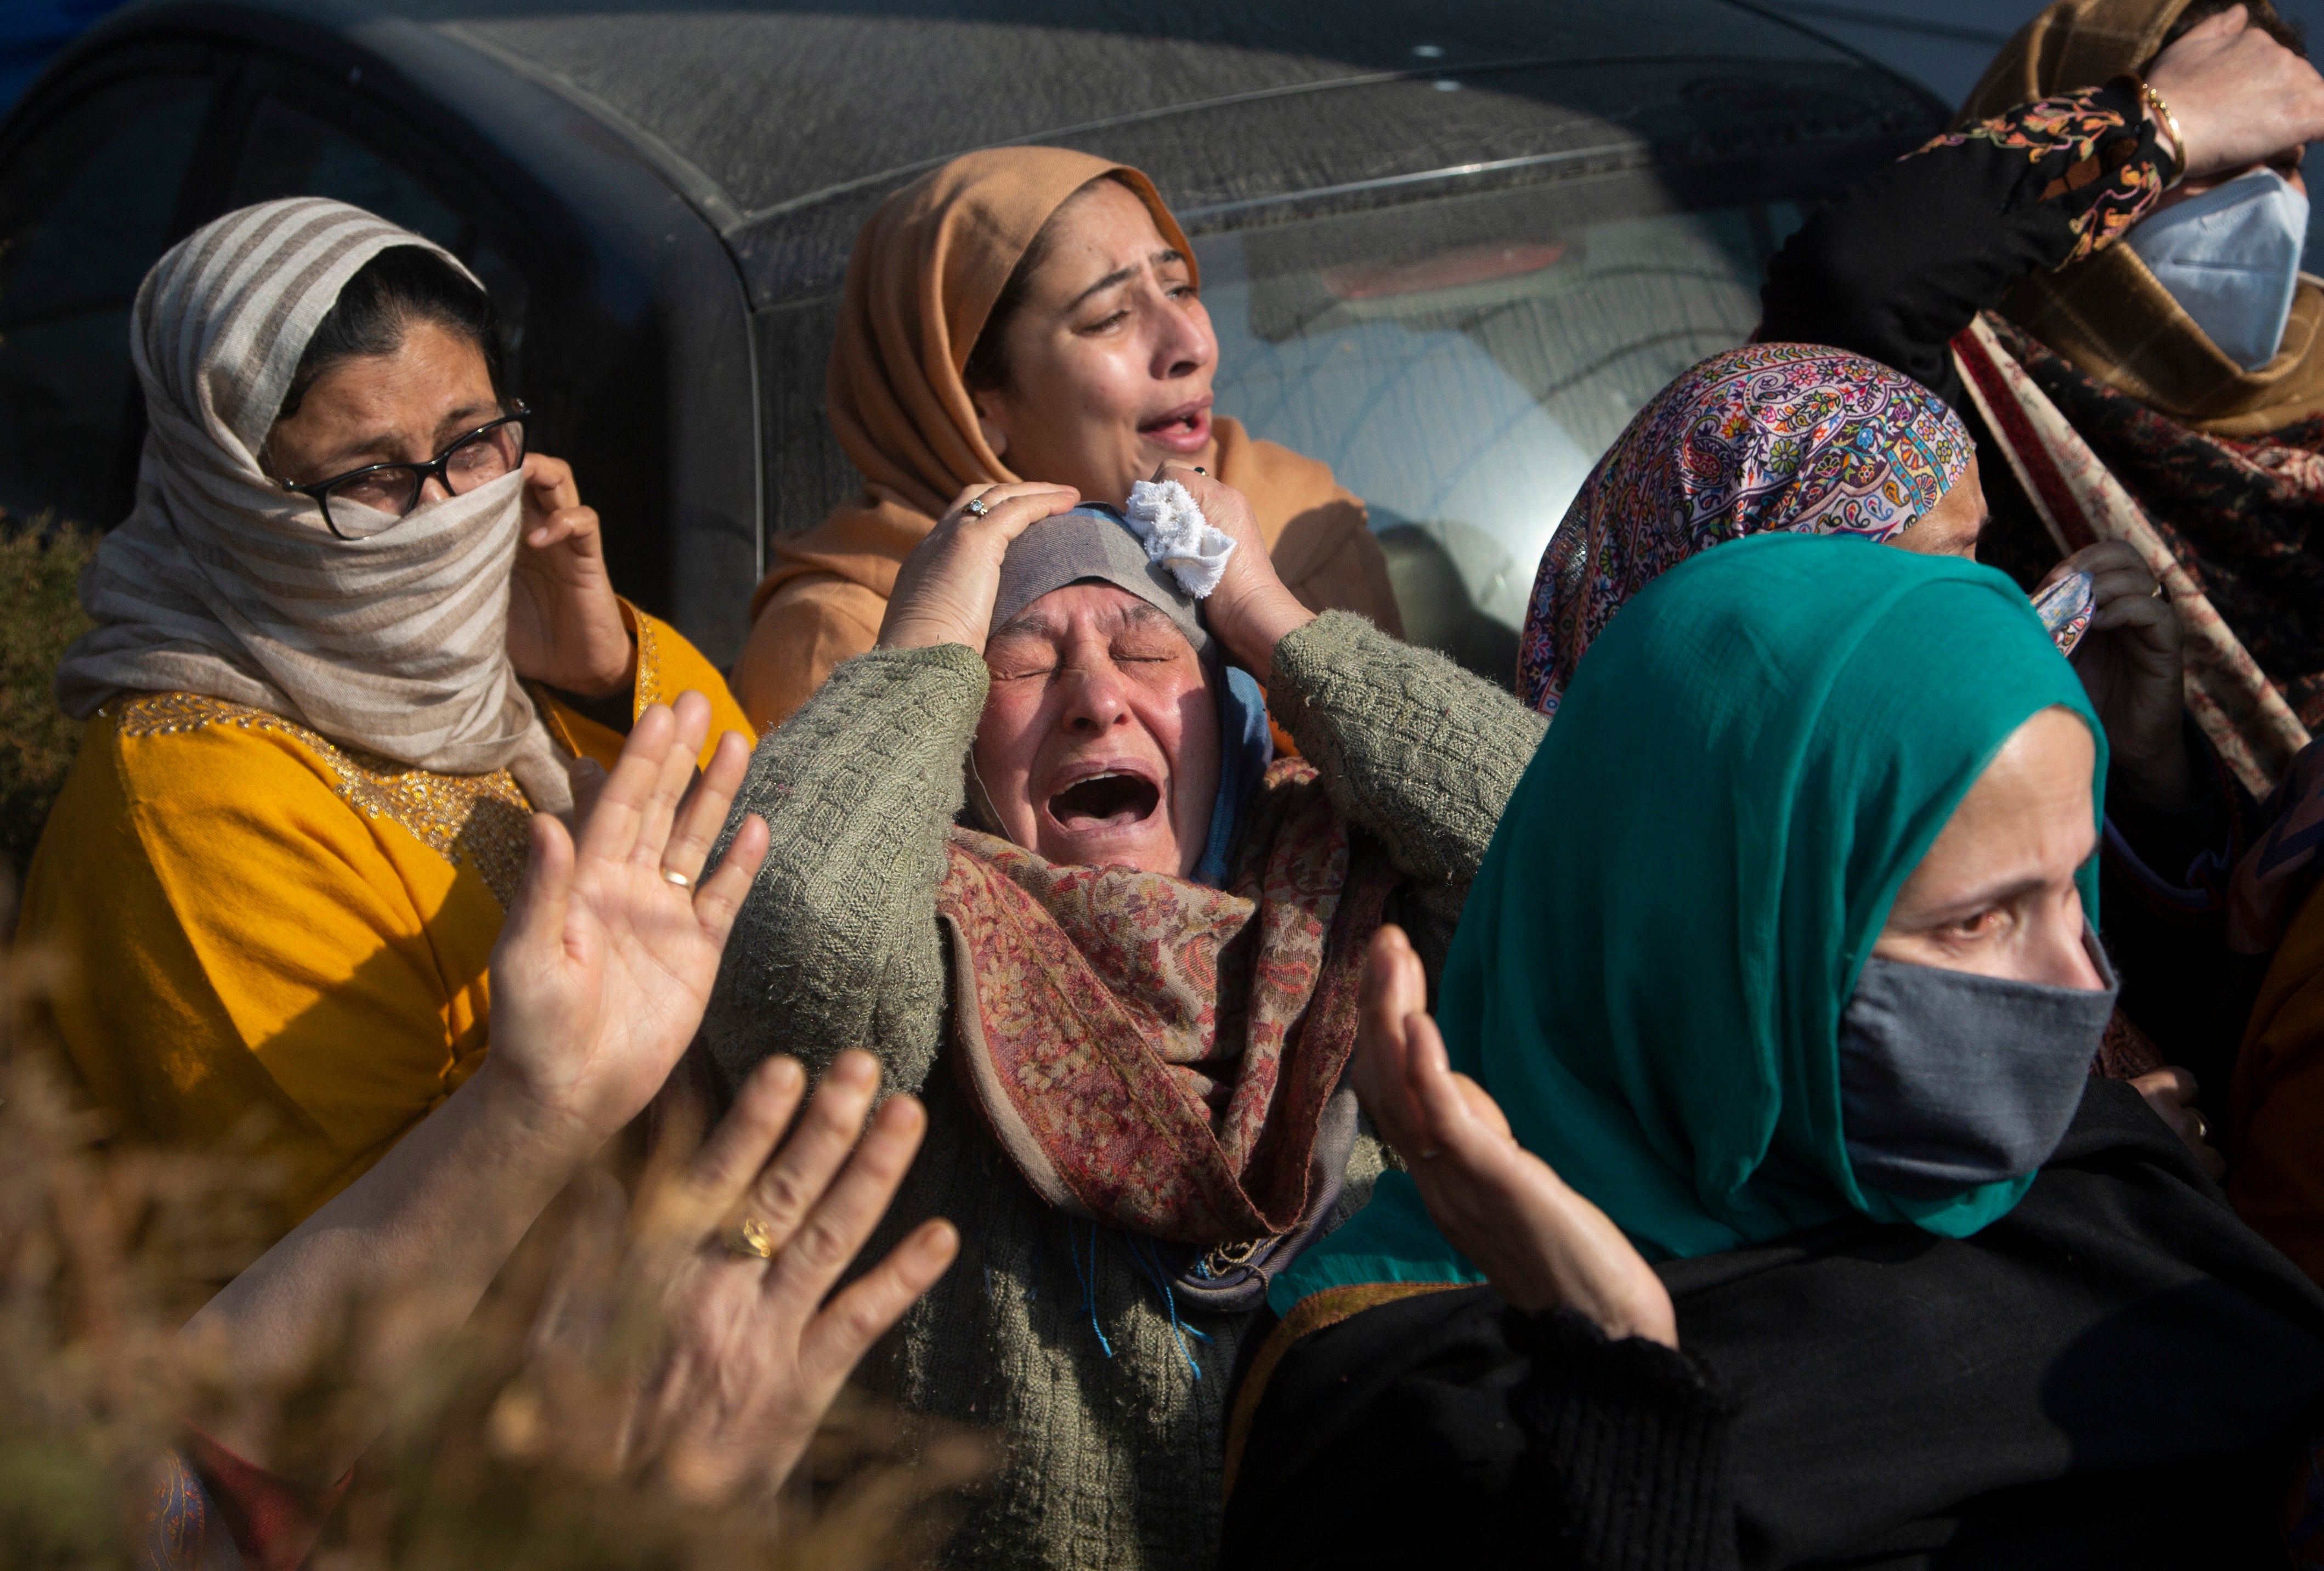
(667, 665)
(249, 955)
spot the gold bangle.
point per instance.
(2169, 123)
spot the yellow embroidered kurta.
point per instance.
(276, 939)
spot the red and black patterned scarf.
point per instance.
(2245, 515)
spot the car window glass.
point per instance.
(85, 208)
(289, 152)
(1461, 364)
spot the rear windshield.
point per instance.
(1461, 362)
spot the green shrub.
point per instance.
(40, 575)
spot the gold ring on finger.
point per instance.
(2202, 1124)
(752, 1239)
(976, 508)
(672, 875)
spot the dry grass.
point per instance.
(500, 1453)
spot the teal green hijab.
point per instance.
(1651, 966)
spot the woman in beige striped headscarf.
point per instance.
(349, 639)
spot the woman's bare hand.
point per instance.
(565, 627)
(1539, 1242)
(2171, 1091)
(946, 588)
(1251, 610)
(604, 965)
(741, 1356)
(2132, 664)
(2240, 98)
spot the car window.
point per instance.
(1462, 363)
(289, 152)
(86, 207)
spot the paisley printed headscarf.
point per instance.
(1766, 437)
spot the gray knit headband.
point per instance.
(1092, 543)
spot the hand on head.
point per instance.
(565, 626)
(605, 964)
(945, 590)
(1538, 1242)
(2240, 98)
(735, 1254)
(1099, 744)
(2132, 664)
(1250, 611)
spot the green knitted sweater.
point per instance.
(1112, 1458)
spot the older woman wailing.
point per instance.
(1127, 993)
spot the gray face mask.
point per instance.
(1950, 1080)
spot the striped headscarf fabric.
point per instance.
(1767, 437)
(222, 583)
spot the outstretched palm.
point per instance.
(1540, 1242)
(606, 961)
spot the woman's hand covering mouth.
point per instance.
(1112, 799)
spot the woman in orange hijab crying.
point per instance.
(1025, 313)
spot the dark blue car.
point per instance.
(1448, 249)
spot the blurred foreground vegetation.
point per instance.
(505, 1453)
(40, 574)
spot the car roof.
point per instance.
(804, 115)
(785, 122)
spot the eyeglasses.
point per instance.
(368, 502)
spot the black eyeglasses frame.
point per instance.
(437, 469)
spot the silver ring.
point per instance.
(1200, 470)
(976, 508)
(672, 875)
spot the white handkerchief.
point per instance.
(1178, 536)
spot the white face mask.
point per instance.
(2231, 257)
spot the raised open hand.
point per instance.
(606, 962)
(730, 1261)
(1539, 1242)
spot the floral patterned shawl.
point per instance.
(1156, 1055)
(1766, 437)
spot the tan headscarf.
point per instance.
(2108, 315)
(925, 274)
